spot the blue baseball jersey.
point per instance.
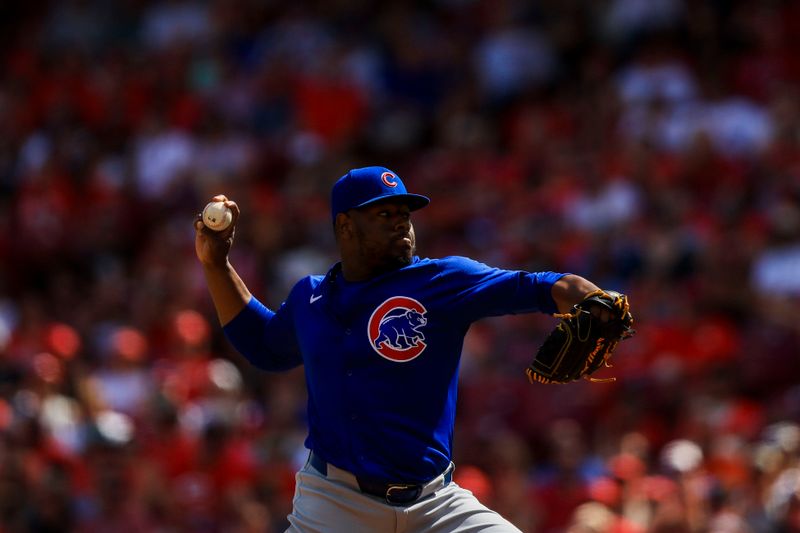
(381, 356)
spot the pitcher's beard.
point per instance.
(397, 261)
(408, 254)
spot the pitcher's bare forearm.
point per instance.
(228, 292)
(570, 290)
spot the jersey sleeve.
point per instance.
(264, 337)
(482, 291)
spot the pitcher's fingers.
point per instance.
(234, 207)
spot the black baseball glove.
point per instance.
(582, 342)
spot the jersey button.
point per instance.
(353, 416)
(349, 373)
(348, 331)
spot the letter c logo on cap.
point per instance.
(388, 179)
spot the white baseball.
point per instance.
(217, 216)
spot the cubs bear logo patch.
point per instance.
(395, 329)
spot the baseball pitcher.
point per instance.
(380, 337)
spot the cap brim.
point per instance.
(414, 201)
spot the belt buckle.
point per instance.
(398, 494)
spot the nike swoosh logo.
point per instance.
(314, 298)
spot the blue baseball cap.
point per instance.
(364, 186)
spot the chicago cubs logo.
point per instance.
(388, 179)
(394, 329)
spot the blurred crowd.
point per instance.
(652, 146)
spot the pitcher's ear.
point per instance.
(343, 225)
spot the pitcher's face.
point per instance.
(384, 233)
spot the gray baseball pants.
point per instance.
(333, 503)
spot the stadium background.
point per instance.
(652, 146)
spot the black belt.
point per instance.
(393, 493)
